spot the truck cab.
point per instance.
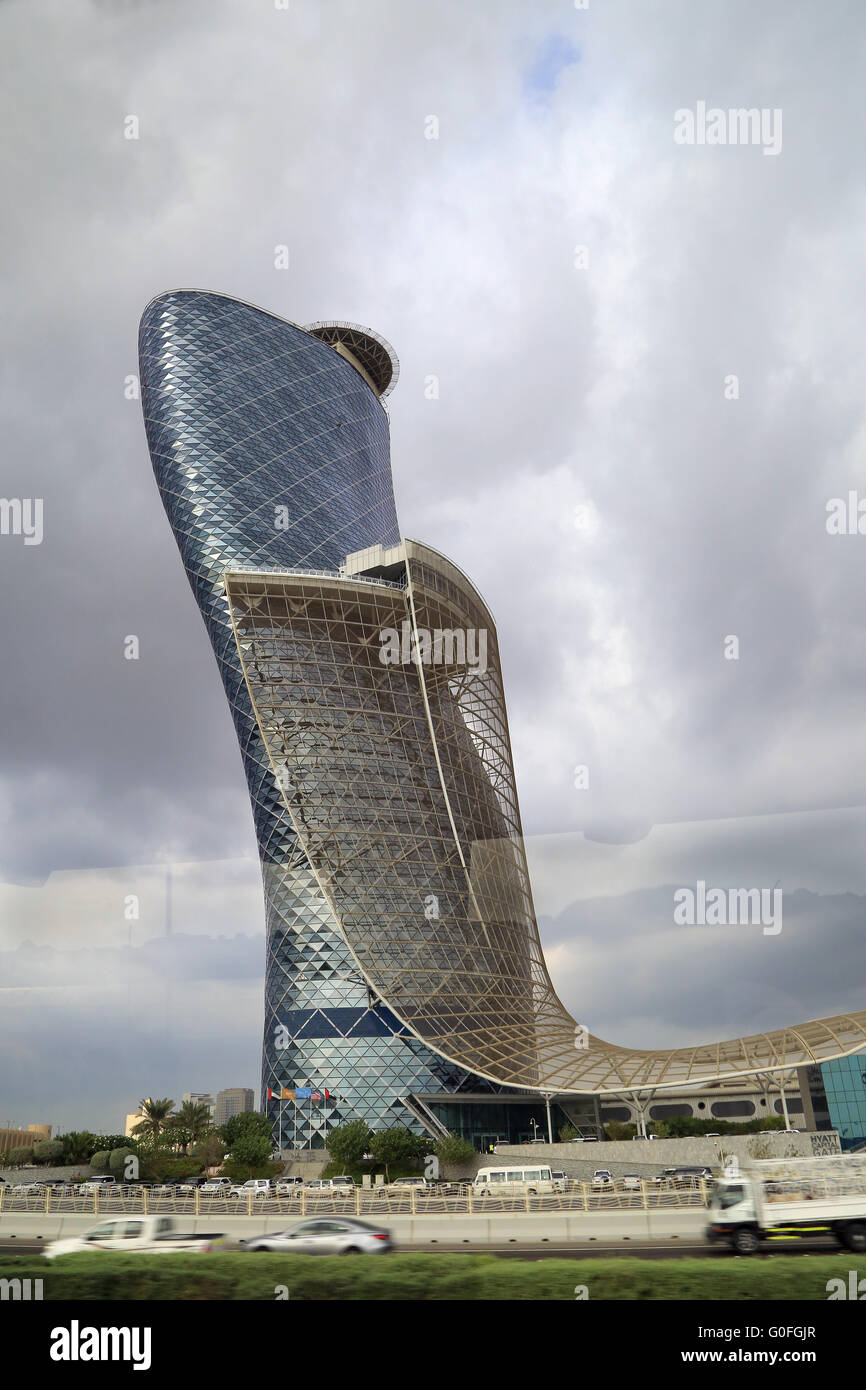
(733, 1215)
(789, 1200)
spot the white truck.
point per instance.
(790, 1198)
(150, 1235)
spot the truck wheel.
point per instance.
(854, 1237)
(745, 1242)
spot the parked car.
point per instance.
(683, 1177)
(420, 1183)
(259, 1187)
(289, 1187)
(330, 1187)
(631, 1181)
(560, 1181)
(343, 1236)
(586, 1139)
(602, 1177)
(186, 1187)
(91, 1184)
(216, 1187)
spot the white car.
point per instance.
(216, 1187)
(631, 1181)
(602, 1177)
(259, 1187)
(331, 1236)
(92, 1184)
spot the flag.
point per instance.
(302, 1093)
(327, 1095)
(282, 1094)
(287, 1094)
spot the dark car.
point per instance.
(683, 1177)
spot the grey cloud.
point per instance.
(557, 385)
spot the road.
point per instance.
(655, 1250)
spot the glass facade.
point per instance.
(844, 1083)
(269, 448)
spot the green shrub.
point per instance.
(16, 1157)
(117, 1161)
(47, 1151)
(416, 1277)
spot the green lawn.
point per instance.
(411, 1277)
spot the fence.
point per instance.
(358, 1201)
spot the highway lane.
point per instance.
(654, 1250)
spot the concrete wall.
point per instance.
(457, 1229)
(647, 1157)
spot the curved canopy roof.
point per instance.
(399, 779)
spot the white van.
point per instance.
(505, 1182)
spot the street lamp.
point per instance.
(534, 1130)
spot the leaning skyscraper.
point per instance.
(404, 973)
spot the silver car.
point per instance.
(336, 1235)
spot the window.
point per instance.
(515, 1175)
(132, 1230)
(532, 1174)
(730, 1196)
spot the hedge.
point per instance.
(424, 1277)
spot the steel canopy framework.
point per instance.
(399, 781)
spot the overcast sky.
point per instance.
(624, 508)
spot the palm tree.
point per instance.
(157, 1115)
(191, 1123)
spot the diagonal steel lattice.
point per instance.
(400, 784)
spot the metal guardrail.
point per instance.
(274, 572)
(358, 1202)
